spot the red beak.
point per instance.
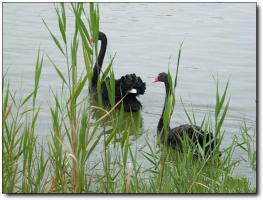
(91, 41)
(156, 79)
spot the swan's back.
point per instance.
(194, 133)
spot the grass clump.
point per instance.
(101, 155)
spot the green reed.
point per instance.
(90, 148)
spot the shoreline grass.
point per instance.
(83, 155)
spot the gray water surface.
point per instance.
(219, 40)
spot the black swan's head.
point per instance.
(101, 37)
(162, 77)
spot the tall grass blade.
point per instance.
(54, 38)
(58, 71)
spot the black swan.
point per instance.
(130, 85)
(194, 133)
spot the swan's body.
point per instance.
(175, 135)
(130, 85)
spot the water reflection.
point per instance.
(220, 41)
(117, 120)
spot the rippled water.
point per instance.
(219, 39)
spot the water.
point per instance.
(219, 39)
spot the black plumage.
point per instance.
(123, 86)
(175, 135)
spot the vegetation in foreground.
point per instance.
(84, 156)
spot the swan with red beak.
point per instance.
(127, 88)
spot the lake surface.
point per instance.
(219, 40)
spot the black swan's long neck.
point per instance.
(160, 123)
(99, 61)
